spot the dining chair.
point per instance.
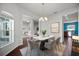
(50, 47)
(60, 47)
(50, 42)
(33, 44)
(57, 45)
(28, 48)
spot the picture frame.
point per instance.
(55, 27)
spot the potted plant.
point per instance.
(43, 32)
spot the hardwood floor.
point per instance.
(75, 48)
(16, 51)
(61, 48)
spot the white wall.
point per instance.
(17, 13)
(13, 9)
(58, 18)
(30, 15)
(35, 26)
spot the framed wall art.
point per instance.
(55, 27)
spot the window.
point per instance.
(6, 29)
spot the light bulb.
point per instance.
(45, 18)
(41, 19)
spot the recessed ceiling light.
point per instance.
(55, 12)
(43, 3)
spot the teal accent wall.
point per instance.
(76, 27)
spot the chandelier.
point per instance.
(43, 18)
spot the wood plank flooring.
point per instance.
(61, 47)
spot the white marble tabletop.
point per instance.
(42, 38)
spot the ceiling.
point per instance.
(71, 17)
(47, 9)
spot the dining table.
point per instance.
(42, 40)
